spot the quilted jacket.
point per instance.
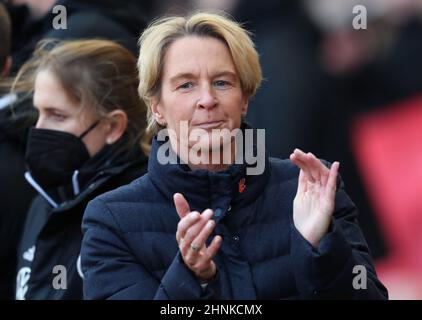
(129, 248)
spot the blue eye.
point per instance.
(221, 83)
(187, 85)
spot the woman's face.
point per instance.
(200, 86)
(56, 111)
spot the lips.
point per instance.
(209, 125)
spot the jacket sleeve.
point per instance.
(111, 271)
(341, 267)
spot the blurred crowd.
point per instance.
(326, 86)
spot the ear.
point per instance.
(117, 124)
(6, 68)
(156, 110)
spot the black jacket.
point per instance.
(52, 237)
(106, 19)
(129, 248)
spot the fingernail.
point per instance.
(210, 224)
(194, 215)
(209, 212)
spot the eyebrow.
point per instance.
(189, 75)
(182, 75)
(226, 74)
(49, 109)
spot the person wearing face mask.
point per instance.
(87, 140)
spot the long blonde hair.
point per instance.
(98, 74)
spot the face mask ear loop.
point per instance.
(92, 126)
(75, 183)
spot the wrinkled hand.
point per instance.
(192, 232)
(314, 203)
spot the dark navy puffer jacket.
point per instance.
(129, 248)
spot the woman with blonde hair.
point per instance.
(229, 228)
(86, 141)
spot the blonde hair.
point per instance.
(98, 74)
(155, 40)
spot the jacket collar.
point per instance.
(205, 189)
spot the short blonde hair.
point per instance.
(163, 32)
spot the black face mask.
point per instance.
(52, 156)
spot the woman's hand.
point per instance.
(192, 232)
(314, 203)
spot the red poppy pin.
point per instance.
(242, 185)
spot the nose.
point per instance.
(40, 122)
(207, 99)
